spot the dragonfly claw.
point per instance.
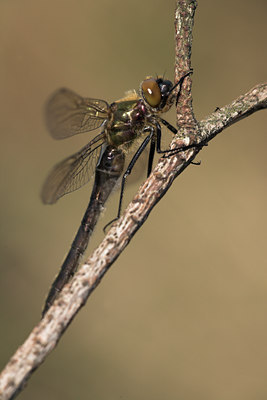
(108, 224)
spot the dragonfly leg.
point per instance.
(171, 152)
(169, 126)
(151, 156)
(127, 172)
(180, 83)
(130, 167)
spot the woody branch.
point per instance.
(46, 334)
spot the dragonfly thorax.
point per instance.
(126, 122)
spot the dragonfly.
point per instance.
(134, 118)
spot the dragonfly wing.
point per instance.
(73, 172)
(68, 114)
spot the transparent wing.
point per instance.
(73, 172)
(68, 114)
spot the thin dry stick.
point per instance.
(47, 333)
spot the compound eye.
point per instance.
(151, 92)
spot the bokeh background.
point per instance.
(182, 313)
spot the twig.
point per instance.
(47, 333)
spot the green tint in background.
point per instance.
(182, 313)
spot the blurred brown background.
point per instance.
(182, 313)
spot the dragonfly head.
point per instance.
(158, 94)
